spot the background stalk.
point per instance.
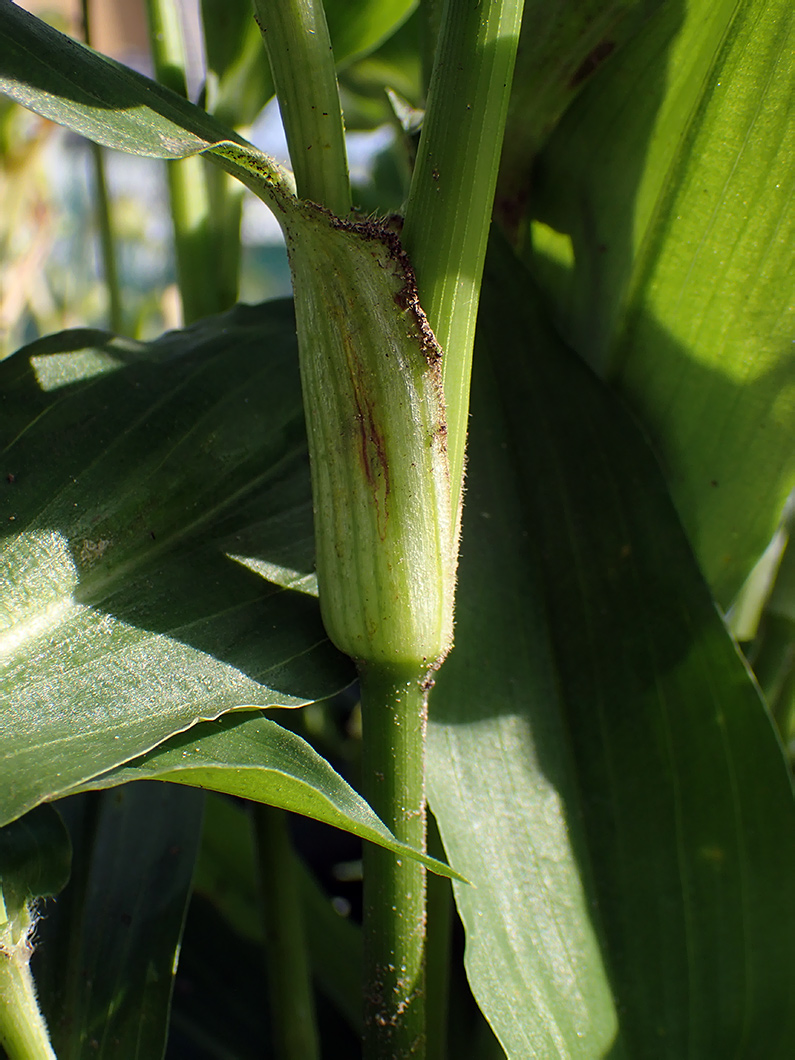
(194, 229)
(394, 712)
(292, 1005)
(107, 241)
(452, 191)
(302, 63)
(103, 214)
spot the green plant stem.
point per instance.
(194, 242)
(292, 1006)
(449, 207)
(302, 63)
(23, 1032)
(103, 214)
(107, 241)
(226, 208)
(394, 713)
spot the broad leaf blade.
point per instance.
(683, 233)
(612, 734)
(500, 779)
(111, 941)
(257, 759)
(75, 86)
(158, 556)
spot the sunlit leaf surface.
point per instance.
(157, 563)
(665, 243)
(600, 762)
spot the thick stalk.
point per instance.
(394, 712)
(187, 181)
(449, 207)
(23, 1032)
(292, 1005)
(302, 63)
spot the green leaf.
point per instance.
(629, 816)
(672, 175)
(395, 65)
(257, 759)
(560, 47)
(240, 82)
(357, 27)
(112, 105)
(157, 566)
(110, 944)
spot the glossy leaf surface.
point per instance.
(157, 563)
(358, 26)
(630, 826)
(677, 281)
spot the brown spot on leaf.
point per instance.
(594, 59)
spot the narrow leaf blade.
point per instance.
(255, 758)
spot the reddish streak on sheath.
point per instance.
(372, 445)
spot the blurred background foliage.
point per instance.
(51, 266)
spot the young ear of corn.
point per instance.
(371, 376)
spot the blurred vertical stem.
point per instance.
(194, 240)
(449, 206)
(103, 214)
(226, 208)
(302, 64)
(292, 1006)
